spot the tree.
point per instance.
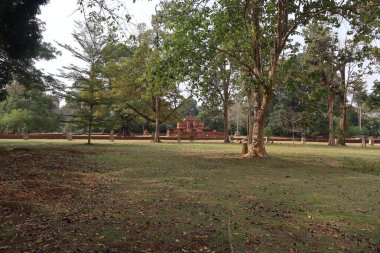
(293, 120)
(301, 93)
(319, 56)
(218, 85)
(21, 43)
(210, 74)
(258, 32)
(324, 56)
(120, 72)
(247, 84)
(349, 62)
(213, 120)
(359, 96)
(28, 110)
(236, 118)
(89, 89)
(142, 82)
(374, 97)
(189, 108)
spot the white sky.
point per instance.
(59, 17)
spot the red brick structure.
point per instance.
(190, 124)
(192, 128)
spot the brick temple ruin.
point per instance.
(191, 127)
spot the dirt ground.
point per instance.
(53, 202)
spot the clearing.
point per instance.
(187, 197)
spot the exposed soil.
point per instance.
(54, 202)
(57, 199)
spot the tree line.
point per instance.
(283, 62)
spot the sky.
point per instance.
(59, 17)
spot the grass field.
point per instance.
(187, 197)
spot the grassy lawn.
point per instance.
(187, 197)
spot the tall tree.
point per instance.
(320, 53)
(350, 63)
(301, 93)
(218, 85)
(210, 74)
(359, 96)
(144, 82)
(120, 72)
(89, 89)
(374, 97)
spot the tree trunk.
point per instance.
(331, 117)
(343, 121)
(293, 136)
(360, 116)
(260, 108)
(343, 116)
(89, 131)
(90, 125)
(157, 132)
(226, 99)
(249, 120)
(124, 130)
(225, 127)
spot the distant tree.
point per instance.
(237, 118)
(293, 122)
(141, 83)
(319, 56)
(189, 108)
(213, 120)
(210, 74)
(359, 97)
(350, 64)
(374, 96)
(120, 72)
(29, 110)
(299, 93)
(89, 89)
(247, 87)
(217, 87)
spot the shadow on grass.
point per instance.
(173, 198)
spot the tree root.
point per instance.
(252, 153)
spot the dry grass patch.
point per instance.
(179, 197)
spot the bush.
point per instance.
(356, 131)
(268, 131)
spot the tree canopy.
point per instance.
(21, 42)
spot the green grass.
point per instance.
(179, 197)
